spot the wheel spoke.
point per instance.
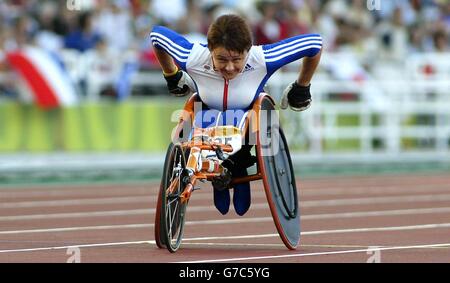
(174, 213)
(174, 209)
(169, 214)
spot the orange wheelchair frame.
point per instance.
(274, 168)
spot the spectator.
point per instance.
(24, 29)
(441, 41)
(84, 38)
(388, 35)
(46, 38)
(102, 66)
(291, 23)
(394, 37)
(114, 24)
(168, 11)
(268, 29)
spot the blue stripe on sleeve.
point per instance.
(173, 43)
(291, 49)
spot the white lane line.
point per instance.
(205, 194)
(316, 254)
(78, 192)
(376, 200)
(307, 189)
(126, 212)
(150, 199)
(72, 229)
(238, 220)
(321, 232)
(376, 213)
(78, 246)
(374, 190)
(148, 211)
(88, 214)
(308, 203)
(327, 216)
(138, 226)
(397, 180)
(344, 185)
(282, 245)
(258, 236)
(70, 202)
(278, 245)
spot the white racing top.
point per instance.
(240, 92)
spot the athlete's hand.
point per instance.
(297, 97)
(180, 84)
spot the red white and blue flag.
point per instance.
(44, 76)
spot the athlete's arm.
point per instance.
(289, 50)
(297, 95)
(171, 48)
(308, 68)
(165, 60)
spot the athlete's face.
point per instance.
(228, 63)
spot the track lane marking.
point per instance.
(308, 203)
(316, 254)
(189, 223)
(79, 246)
(258, 236)
(71, 202)
(306, 190)
(149, 211)
(373, 190)
(403, 180)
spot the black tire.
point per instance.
(164, 180)
(172, 210)
(275, 164)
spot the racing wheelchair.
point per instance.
(187, 163)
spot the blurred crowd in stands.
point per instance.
(112, 28)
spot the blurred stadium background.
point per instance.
(82, 96)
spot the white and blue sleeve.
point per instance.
(173, 43)
(289, 50)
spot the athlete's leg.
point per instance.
(238, 164)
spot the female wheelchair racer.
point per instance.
(228, 74)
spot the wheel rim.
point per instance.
(173, 210)
(168, 165)
(279, 179)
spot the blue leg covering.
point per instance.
(241, 193)
(222, 200)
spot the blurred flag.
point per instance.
(45, 77)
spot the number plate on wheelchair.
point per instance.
(222, 134)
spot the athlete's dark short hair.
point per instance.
(230, 32)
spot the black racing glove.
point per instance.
(297, 97)
(180, 84)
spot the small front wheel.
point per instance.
(173, 210)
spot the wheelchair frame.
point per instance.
(273, 168)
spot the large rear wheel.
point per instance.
(278, 175)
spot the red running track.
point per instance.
(389, 218)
